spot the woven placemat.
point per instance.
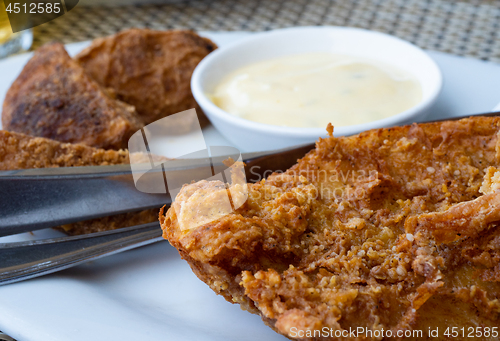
(466, 28)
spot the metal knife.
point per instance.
(34, 199)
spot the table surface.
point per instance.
(465, 28)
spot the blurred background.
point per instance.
(466, 28)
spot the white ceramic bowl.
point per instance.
(249, 135)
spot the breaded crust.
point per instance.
(148, 69)
(20, 151)
(111, 222)
(53, 97)
(394, 229)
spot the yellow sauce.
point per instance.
(312, 90)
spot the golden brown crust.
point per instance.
(112, 222)
(325, 244)
(53, 97)
(19, 151)
(148, 69)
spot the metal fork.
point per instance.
(25, 260)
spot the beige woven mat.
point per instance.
(467, 28)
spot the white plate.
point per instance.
(150, 293)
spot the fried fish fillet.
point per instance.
(19, 151)
(148, 69)
(392, 230)
(53, 97)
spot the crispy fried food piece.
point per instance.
(53, 97)
(19, 151)
(112, 222)
(357, 234)
(148, 69)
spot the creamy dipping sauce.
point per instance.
(314, 89)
